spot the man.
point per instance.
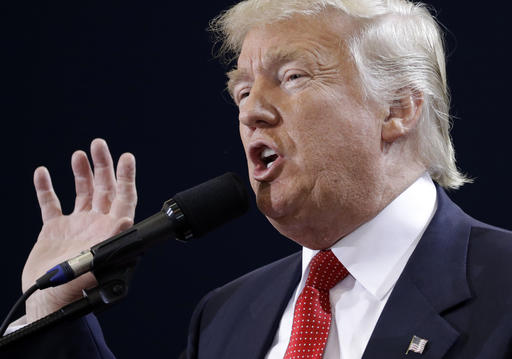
(344, 121)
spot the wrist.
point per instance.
(40, 304)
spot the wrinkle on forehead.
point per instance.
(319, 49)
(275, 56)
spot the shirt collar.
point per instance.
(377, 251)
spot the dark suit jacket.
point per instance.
(455, 291)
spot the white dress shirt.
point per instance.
(375, 255)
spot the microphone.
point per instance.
(189, 214)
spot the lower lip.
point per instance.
(263, 174)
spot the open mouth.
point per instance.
(266, 161)
(268, 156)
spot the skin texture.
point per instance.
(104, 205)
(343, 157)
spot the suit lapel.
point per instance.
(267, 310)
(433, 281)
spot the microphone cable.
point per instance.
(189, 214)
(16, 306)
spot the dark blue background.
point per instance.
(142, 76)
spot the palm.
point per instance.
(64, 237)
(103, 207)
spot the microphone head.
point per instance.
(212, 203)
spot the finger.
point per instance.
(104, 179)
(84, 181)
(126, 195)
(48, 200)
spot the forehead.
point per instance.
(299, 32)
(272, 56)
(316, 38)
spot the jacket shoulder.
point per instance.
(489, 254)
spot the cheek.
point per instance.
(319, 132)
(334, 141)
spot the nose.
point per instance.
(258, 109)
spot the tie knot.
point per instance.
(325, 271)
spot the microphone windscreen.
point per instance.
(213, 203)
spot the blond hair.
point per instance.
(399, 46)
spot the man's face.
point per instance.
(312, 140)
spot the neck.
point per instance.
(324, 227)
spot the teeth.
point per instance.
(267, 152)
(268, 156)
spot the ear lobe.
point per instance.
(403, 116)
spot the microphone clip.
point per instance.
(113, 285)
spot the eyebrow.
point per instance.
(274, 57)
(235, 76)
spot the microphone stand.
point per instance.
(190, 213)
(113, 284)
(114, 262)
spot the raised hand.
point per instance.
(104, 205)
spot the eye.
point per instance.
(293, 76)
(242, 94)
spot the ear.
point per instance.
(403, 115)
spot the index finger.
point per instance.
(48, 200)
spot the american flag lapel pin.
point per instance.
(417, 345)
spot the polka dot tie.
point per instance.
(312, 316)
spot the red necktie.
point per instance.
(312, 316)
